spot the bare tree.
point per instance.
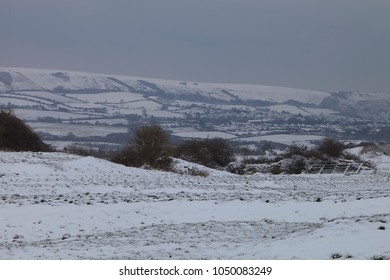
(152, 146)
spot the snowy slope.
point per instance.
(57, 80)
(59, 206)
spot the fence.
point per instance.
(345, 168)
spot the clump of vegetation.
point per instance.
(336, 256)
(330, 147)
(237, 168)
(380, 258)
(294, 165)
(209, 152)
(298, 159)
(15, 135)
(150, 147)
(276, 169)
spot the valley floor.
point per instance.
(60, 206)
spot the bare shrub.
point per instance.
(295, 150)
(236, 168)
(330, 147)
(209, 152)
(151, 147)
(294, 165)
(128, 157)
(275, 169)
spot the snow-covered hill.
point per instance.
(15, 79)
(64, 105)
(60, 206)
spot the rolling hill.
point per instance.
(98, 109)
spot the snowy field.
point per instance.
(59, 206)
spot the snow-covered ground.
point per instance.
(60, 206)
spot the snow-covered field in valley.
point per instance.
(60, 206)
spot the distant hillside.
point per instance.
(60, 82)
(63, 106)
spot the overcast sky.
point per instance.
(313, 44)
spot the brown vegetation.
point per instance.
(209, 152)
(150, 147)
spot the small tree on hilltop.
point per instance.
(151, 146)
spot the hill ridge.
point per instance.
(79, 106)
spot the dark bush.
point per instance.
(127, 157)
(15, 135)
(331, 147)
(294, 150)
(209, 152)
(236, 168)
(150, 147)
(153, 147)
(294, 165)
(328, 147)
(194, 151)
(221, 152)
(276, 169)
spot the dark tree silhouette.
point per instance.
(209, 152)
(331, 147)
(151, 146)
